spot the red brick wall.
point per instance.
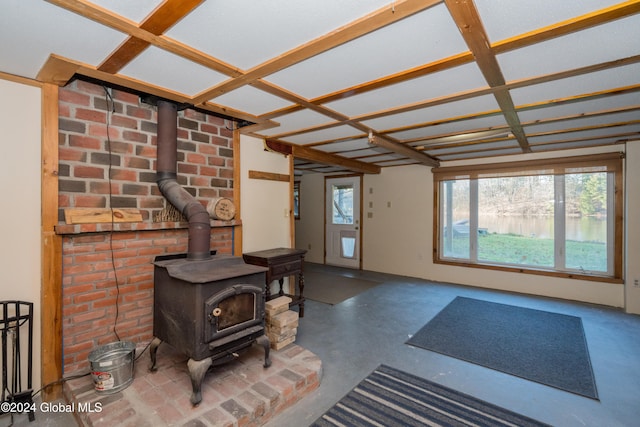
(102, 266)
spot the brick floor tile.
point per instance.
(241, 393)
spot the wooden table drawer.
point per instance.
(286, 268)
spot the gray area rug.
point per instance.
(389, 397)
(548, 348)
(333, 288)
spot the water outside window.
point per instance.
(455, 214)
(586, 221)
(517, 221)
(516, 214)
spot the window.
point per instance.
(559, 216)
(296, 199)
(342, 204)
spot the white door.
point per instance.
(342, 221)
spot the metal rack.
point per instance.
(16, 319)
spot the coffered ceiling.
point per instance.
(357, 85)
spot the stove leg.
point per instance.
(197, 370)
(264, 342)
(153, 348)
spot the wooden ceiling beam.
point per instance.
(543, 104)
(628, 109)
(422, 70)
(512, 85)
(317, 156)
(477, 146)
(468, 20)
(404, 150)
(480, 136)
(58, 70)
(556, 30)
(159, 21)
(382, 17)
(583, 22)
(581, 98)
(117, 22)
(586, 128)
(620, 138)
(441, 100)
(471, 93)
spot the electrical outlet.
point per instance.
(636, 283)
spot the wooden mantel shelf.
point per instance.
(72, 229)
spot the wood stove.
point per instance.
(210, 310)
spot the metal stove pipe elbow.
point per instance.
(199, 246)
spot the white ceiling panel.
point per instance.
(574, 108)
(298, 120)
(488, 122)
(400, 162)
(586, 135)
(183, 76)
(477, 147)
(584, 84)
(618, 39)
(416, 40)
(575, 144)
(328, 169)
(251, 100)
(238, 32)
(581, 122)
(354, 144)
(508, 18)
(429, 114)
(323, 135)
(381, 157)
(489, 153)
(134, 10)
(363, 153)
(455, 80)
(42, 29)
(292, 45)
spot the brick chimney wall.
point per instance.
(104, 263)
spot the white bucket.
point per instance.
(112, 366)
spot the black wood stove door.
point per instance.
(233, 309)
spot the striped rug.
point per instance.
(389, 397)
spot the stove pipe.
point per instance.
(199, 245)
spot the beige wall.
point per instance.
(20, 258)
(632, 203)
(398, 236)
(266, 222)
(310, 226)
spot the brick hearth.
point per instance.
(240, 393)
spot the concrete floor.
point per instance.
(355, 336)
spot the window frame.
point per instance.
(606, 162)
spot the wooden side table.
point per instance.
(281, 262)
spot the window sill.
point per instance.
(533, 271)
